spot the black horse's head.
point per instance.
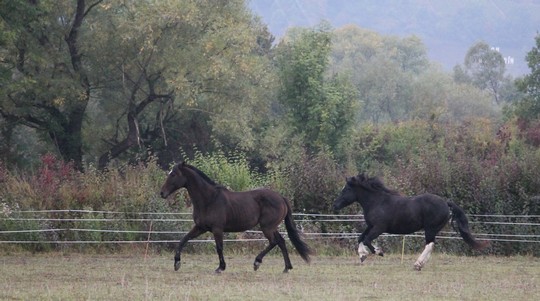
(348, 194)
(175, 180)
(361, 189)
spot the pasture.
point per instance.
(75, 276)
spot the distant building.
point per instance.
(508, 60)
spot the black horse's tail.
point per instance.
(458, 215)
(302, 248)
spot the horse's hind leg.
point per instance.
(218, 238)
(258, 260)
(283, 247)
(274, 239)
(424, 257)
(431, 232)
(428, 249)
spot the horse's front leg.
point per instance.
(193, 233)
(365, 246)
(362, 249)
(218, 238)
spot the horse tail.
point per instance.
(458, 215)
(302, 248)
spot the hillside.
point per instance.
(448, 28)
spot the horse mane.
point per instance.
(201, 174)
(375, 184)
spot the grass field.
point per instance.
(55, 276)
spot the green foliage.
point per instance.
(232, 171)
(528, 108)
(485, 68)
(483, 170)
(49, 88)
(116, 80)
(203, 72)
(382, 71)
(19, 227)
(58, 186)
(483, 167)
(311, 183)
(320, 110)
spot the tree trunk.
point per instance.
(69, 140)
(131, 139)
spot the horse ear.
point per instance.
(352, 181)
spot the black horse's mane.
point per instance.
(374, 184)
(202, 174)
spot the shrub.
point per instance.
(232, 171)
(484, 169)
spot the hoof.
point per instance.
(417, 267)
(177, 265)
(218, 271)
(362, 258)
(286, 271)
(256, 265)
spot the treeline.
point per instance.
(104, 83)
(100, 97)
(483, 175)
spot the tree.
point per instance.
(49, 87)
(216, 60)
(485, 68)
(382, 70)
(112, 79)
(319, 108)
(528, 108)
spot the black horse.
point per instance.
(218, 210)
(385, 211)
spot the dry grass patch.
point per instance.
(100, 277)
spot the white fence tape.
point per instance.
(300, 218)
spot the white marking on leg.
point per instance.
(362, 251)
(424, 257)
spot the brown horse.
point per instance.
(385, 211)
(218, 210)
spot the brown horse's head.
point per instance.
(175, 180)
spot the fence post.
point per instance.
(402, 249)
(148, 240)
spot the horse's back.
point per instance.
(433, 208)
(260, 196)
(259, 206)
(431, 200)
(410, 214)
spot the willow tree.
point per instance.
(179, 74)
(48, 87)
(112, 79)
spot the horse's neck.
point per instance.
(200, 191)
(370, 202)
